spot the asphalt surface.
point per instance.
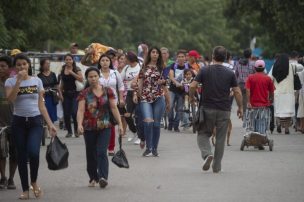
(177, 175)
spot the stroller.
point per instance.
(257, 122)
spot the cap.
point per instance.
(194, 53)
(259, 64)
(74, 45)
(15, 52)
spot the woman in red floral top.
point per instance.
(93, 117)
(152, 88)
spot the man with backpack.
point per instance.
(243, 69)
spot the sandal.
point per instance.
(37, 192)
(25, 196)
(92, 183)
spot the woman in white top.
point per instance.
(284, 98)
(111, 78)
(26, 93)
(130, 71)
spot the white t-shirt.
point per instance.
(128, 74)
(111, 81)
(26, 103)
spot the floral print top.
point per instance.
(151, 90)
(97, 109)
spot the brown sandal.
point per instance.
(37, 192)
(25, 196)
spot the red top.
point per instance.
(260, 85)
(97, 109)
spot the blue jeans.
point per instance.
(176, 105)
(153, 111)
(96, 143)
(69, 106)
(27, 133)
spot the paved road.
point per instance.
(176, 175)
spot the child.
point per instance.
(188, 78)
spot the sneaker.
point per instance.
(76, 135)
(69, 135)
(155, 153)
(131, 138)
(103, 183)
(3, 183)
(147, 153)
(11, 184)
(207, 162)
(176, 130)
(137, 141)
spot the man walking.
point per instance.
(243, 69)
(215, 100)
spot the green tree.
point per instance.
(278, 25)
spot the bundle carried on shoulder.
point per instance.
(96, 50)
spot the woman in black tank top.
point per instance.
(68, 94)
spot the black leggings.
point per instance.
(130, 109)
(70, 109)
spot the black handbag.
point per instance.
(296, 80)
(199, 118)
(120, 158)
(57, 154)
(55, 97)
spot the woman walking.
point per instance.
(26, 94)
(151, 88)
(68, 94)
(284, 99)
(95, 105)
(130, 71)
(50, 85)
(110, 78)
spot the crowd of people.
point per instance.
(140, 92)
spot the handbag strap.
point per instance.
(120, 141)
(117, 87)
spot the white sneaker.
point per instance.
(131, 138)
(137, 141)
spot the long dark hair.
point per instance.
(105, 55)
(22, 56)
(42, 62)
(159, 63)
(74, 63)
(280, 68)
(86, 74)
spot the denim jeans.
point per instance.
(96, 143)
(152, 111)
(27, 133)
(219, 119)
(70, 109)
(176, 108)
